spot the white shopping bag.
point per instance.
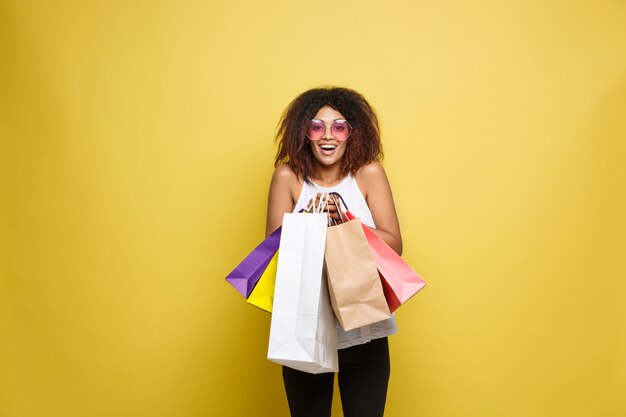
(302, 332)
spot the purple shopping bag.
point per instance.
(245, 276)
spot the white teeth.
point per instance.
(328, 147)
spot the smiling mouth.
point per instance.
(328, 147)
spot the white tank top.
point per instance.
(349, 190)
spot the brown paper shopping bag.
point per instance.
(356, 292)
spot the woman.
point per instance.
(329, 141)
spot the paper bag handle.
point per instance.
(339, 211)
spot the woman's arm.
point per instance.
(280, 200)
(377, 191)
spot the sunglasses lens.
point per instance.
(340, 130)
(316, 130)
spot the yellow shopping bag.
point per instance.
(262, 295)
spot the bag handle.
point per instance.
(339, 211)
(323, 202)
(336, 194)
(347, 213)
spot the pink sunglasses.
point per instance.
(340, 129)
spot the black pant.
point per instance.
(363, 377)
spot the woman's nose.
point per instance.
(327, 132)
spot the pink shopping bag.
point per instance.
(400, 281)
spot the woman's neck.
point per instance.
(327, 176)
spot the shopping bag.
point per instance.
(400, 281)
(302, 330)
(245, 276)
(356, 291)
(262, 295)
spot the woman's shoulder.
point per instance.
(371, 177)
(284, 177)
(372, 171)
(284, 174)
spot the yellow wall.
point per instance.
(136, 151)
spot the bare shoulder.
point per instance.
(370, 176)
(285, 179)
(373, 170)
(284, 176)
(284, 173)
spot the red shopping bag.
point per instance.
(400, 281)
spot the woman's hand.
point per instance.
(331, 206)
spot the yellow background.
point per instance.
(136, 152)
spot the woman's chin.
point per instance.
(327, 161)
